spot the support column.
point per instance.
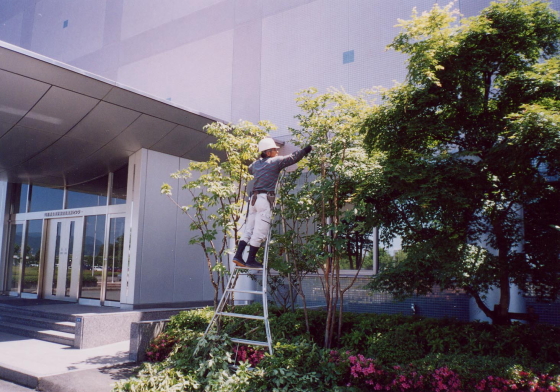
(4, 222)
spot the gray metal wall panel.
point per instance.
(157, 244)
(66, 30)
(136, 199)
(246, 78)
(191, 268)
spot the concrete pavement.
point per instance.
(6, 386)
(53, 367)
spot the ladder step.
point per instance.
(244, 291)
(250, 342)
(247, 316)
(246, 267)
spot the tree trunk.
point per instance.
(501, 313)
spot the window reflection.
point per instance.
(359, 251)
(89, 194)
(120, 178)
(44, 198)
(56, 258)
(70, 258)
(391, 254)
(115, 259)
(32, 256)
(14, 273)
(92, 260)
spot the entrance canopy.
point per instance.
(60, 125)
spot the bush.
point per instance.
(293, 367)
(387, 352)
(160, 347)
(392, 339)
(195, 320)
(248, 354)
(401, 339)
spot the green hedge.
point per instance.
(394, 338)
(389, 352)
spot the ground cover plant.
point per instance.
(376, 352)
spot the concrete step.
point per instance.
(39, 322)
(19, 310)
(38, 333)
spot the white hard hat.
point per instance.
(266, 144)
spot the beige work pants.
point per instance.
(258, 221)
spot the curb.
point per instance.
(18, 377)
(86, 380)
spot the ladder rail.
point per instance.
(221, 305)
(265, 288)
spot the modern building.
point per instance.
(102, 99)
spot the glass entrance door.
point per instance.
(101, 276)
(63, 259)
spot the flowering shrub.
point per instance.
(366, 363)
(408, 380)
(445, 379)
(495, 384)
(524, 380)
(520, 380)
(160, 347)
(250, 354)
(305, 367)
(359, 371)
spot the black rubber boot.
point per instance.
(251, 262)
(238, 257)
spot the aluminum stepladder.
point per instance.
(231, 290)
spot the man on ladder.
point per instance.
(266, 170)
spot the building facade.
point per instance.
(121, 92)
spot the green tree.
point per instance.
(321, 216)
(218, 193)
(471, 140)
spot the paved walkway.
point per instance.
(53, 367)
(6, 386)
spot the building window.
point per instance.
(32, 255)
(14, 268)
(120, 179)
(391, 254)
(92, 193)
(359, 252)
(45, 198)
(92, 260)
(115, 259)
(88, 194)
(348, 57)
